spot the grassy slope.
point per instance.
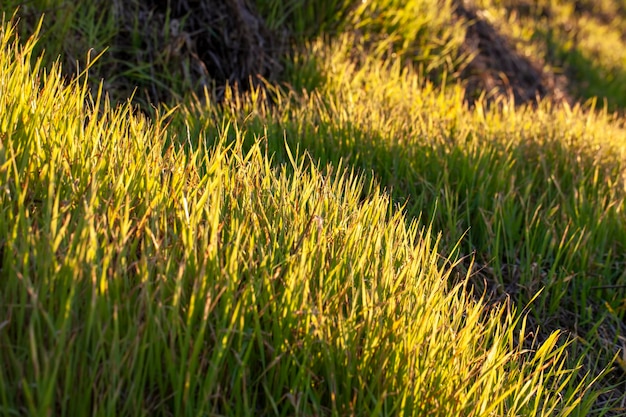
(335, 283)
(581, 39)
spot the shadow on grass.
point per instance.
(589, 80)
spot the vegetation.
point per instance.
(384, 222)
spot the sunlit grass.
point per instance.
(189, 270)
(535, 194)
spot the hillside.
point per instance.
(313, 208)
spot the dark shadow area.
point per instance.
(205, 44)
(160, 51)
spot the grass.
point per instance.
(582, 40)
(366, 244)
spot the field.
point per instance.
(313, 208)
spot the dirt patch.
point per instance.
(198, 44)
(499, 71)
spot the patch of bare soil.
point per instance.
(208, 43)
(498, 70)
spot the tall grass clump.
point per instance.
(152, 271)
(536, 192)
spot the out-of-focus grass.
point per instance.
(583, 40)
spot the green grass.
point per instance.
(365, 244)
(580, 39)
